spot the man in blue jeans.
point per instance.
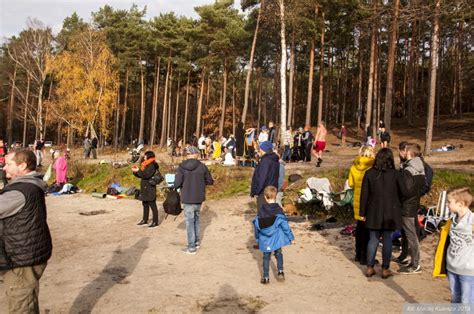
(192, 177)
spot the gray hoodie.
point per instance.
(13, 201)
(460, 255)
(414, 166)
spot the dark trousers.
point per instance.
(260, 201)
(301, 152)
(146, 210)
(361, 240)
(307, 152)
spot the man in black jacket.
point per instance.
(25, 240)
(192, 177)
(412, 178)
(266, 173)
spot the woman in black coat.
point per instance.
(380, 208)
(147, 170)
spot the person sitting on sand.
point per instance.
(272, 232)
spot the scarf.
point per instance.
(146, 163)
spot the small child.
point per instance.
(272, 232)
(460, 254)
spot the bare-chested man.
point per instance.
(320, 142)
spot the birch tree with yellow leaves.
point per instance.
(87, 84)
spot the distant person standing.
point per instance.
(239, 140)
(343, 135)
(202, 146)
(263, 136)
(86, 144)
(192, 176)
(60, 167)
(384, 137)
(25, 240)
(272, 133)
(39, 152)
(266, 173)
(320, 142)
(308, 143)
(147, 170)
(287, 144)
(94, 144)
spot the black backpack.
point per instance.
(428, 179)
(172, 203)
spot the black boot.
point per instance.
(141, 223)
(153, 224)
(318, 164)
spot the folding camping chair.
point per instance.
(437, 214)
(343, 203)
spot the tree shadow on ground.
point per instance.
(205, 218)
(229, 301)
(121, 265)
(348, 250)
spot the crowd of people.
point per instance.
(385, 199)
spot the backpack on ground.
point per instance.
(428, 179)
(172, 203)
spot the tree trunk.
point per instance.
(359, 94)
(165, 104)
(434, 68)
(177, 108)
(142, 104)
(392, 51)
(411, 75)
(233, 107)
(201, 95)
(39, 116)
(25, 113)
(292, 78)
(249, 71)
(10, 108)
(117, 120)
(170, 96)
(224, 96)
(185, 126)
(370, 88)
(124, 116)
(321, 75)
(344, 89)
(154, 110)
(310, 84)
(283, 69)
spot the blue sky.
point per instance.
(14, 13)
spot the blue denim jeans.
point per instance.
(462, 288)
(286, 153)
(192, 212)
(266, 261)
(374, 243)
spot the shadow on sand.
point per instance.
(121, 265)
(229, 301)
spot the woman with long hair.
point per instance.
(380, 208)
(145, 172)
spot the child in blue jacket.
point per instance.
(272, 232)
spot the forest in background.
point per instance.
(294, 62)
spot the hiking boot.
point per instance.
(189, 251)
(198, 245)
(318, 164)
(142, 223)
(153, 225)
(281, 276)
(386, 273)
(409, 270)
(265, 280)
(402, 261)
(370, 271)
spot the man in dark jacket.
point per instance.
(266, 173)
(94, 145)
(192, 177)
(412, 177)
(308, 143)
(25, 240)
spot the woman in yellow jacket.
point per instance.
(361, 164)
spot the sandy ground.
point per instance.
(103, 263)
